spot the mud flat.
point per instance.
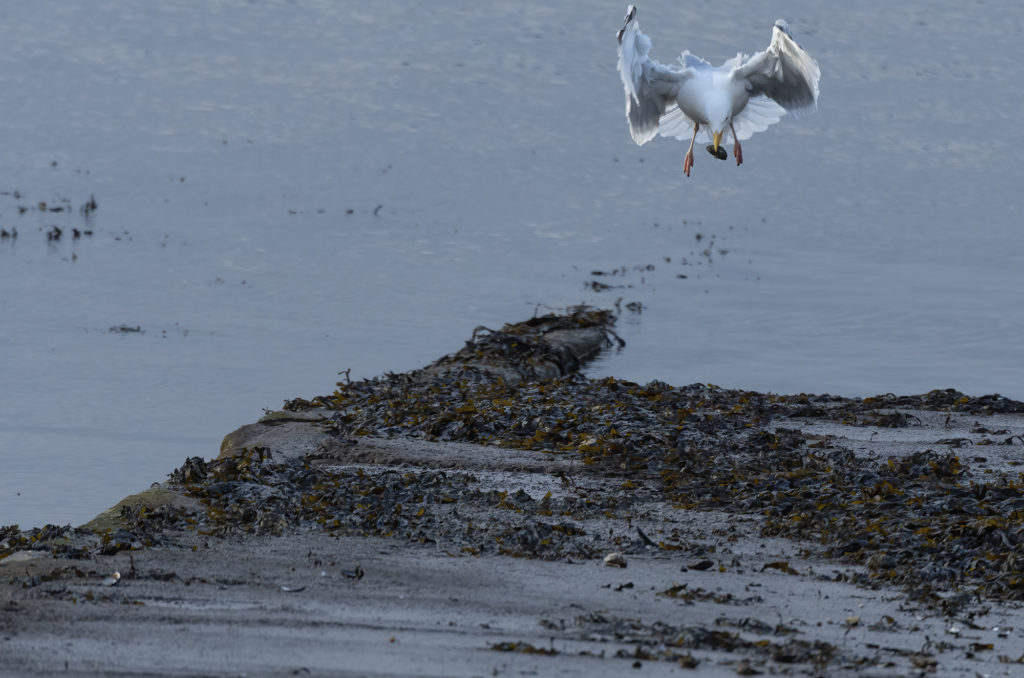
(498, 513)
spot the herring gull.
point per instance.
(744, 95)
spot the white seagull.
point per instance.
(742, 96)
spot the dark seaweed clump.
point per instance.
(542, 348)
(254, 493)
(12, 538)
(64, 541)
(539, 348)
(922, 521)
(667, 642)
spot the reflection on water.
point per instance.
(286, 191)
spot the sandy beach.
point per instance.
(226, 610)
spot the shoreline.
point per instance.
(456, 521)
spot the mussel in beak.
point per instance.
(720, 153)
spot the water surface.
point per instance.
(289, 190)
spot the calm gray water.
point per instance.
(288, 190)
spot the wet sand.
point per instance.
(417, 611)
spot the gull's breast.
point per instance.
(694, 95)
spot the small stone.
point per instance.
(745, 669)
(615, 560)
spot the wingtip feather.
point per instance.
(630, 15)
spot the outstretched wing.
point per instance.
(784, 72)
(650, 87)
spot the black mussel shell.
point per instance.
(720, 153)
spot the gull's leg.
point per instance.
(737, 150)
(688, 161)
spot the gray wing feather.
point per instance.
(675, 123)
(784, 72)
(650, 86)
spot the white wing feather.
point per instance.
(675, 123)
(759, 114)
(650, 87)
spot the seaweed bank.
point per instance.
(730, 510)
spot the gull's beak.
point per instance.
(717, 138)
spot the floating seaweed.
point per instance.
(89, 206)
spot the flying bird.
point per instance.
(744, 95)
